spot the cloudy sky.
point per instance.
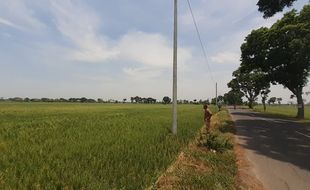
(118, 49)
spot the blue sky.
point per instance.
(118, 49)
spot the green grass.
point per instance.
(89, 146)
(222, 163)
(289, 111)
(199, 168)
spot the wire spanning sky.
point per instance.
(118, 49)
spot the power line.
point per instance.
(200, 40)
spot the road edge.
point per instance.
(246, 177)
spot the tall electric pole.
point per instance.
(175, 60)
(216, 94)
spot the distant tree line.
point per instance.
(80, 100)
(134, 100)
(138, 99)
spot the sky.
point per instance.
(119, 49)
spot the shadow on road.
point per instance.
(276, 138)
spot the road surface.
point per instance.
(278, 149)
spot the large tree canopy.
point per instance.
(271, 7)
(233, 97)
(282, 52)
(250, 83)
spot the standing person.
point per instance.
(207, 116)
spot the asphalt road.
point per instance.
(278, 149)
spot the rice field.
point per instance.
(90, 146)
(283, 110)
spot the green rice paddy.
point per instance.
(90, 146)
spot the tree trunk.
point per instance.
(264, 106)
(250, 104)
(300, 104)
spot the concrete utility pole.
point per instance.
(175, 60)
(216, 94)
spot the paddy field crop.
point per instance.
(90, 146)
(289, 111)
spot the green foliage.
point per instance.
(218, 142)
(166, 100)
(200, 169)
(233, 97)
(282, 52)
(271, 7)
(250, 83)
(272, 100)
(279, 100)
(220, 138)
(89, 146)
(221, 176)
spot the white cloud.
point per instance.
(80, 26)
(9, 23)
(210, 14)
(150, 51)
(226, 57)
(145, 58)
(15, 13)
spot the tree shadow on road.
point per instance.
(279, 139)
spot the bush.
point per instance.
(218, 142)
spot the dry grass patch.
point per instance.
(246, 178)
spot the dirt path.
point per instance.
(277, 149)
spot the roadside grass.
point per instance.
(285, 111)
(92, 146)
(207, 163)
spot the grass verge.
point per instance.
(207, 163)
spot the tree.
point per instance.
(63, 100)
(16, 99)
(271, 7)
(272, 100)
(166, 100)
(282, 52)
(250, 83)
(151, 100)
(137, 99)
(91, 100)
(46, 100)
(279, 100)
(264, 95)
(124, 100)
(220, 98)
(213, 101)
(83, 99)
(233, 97)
